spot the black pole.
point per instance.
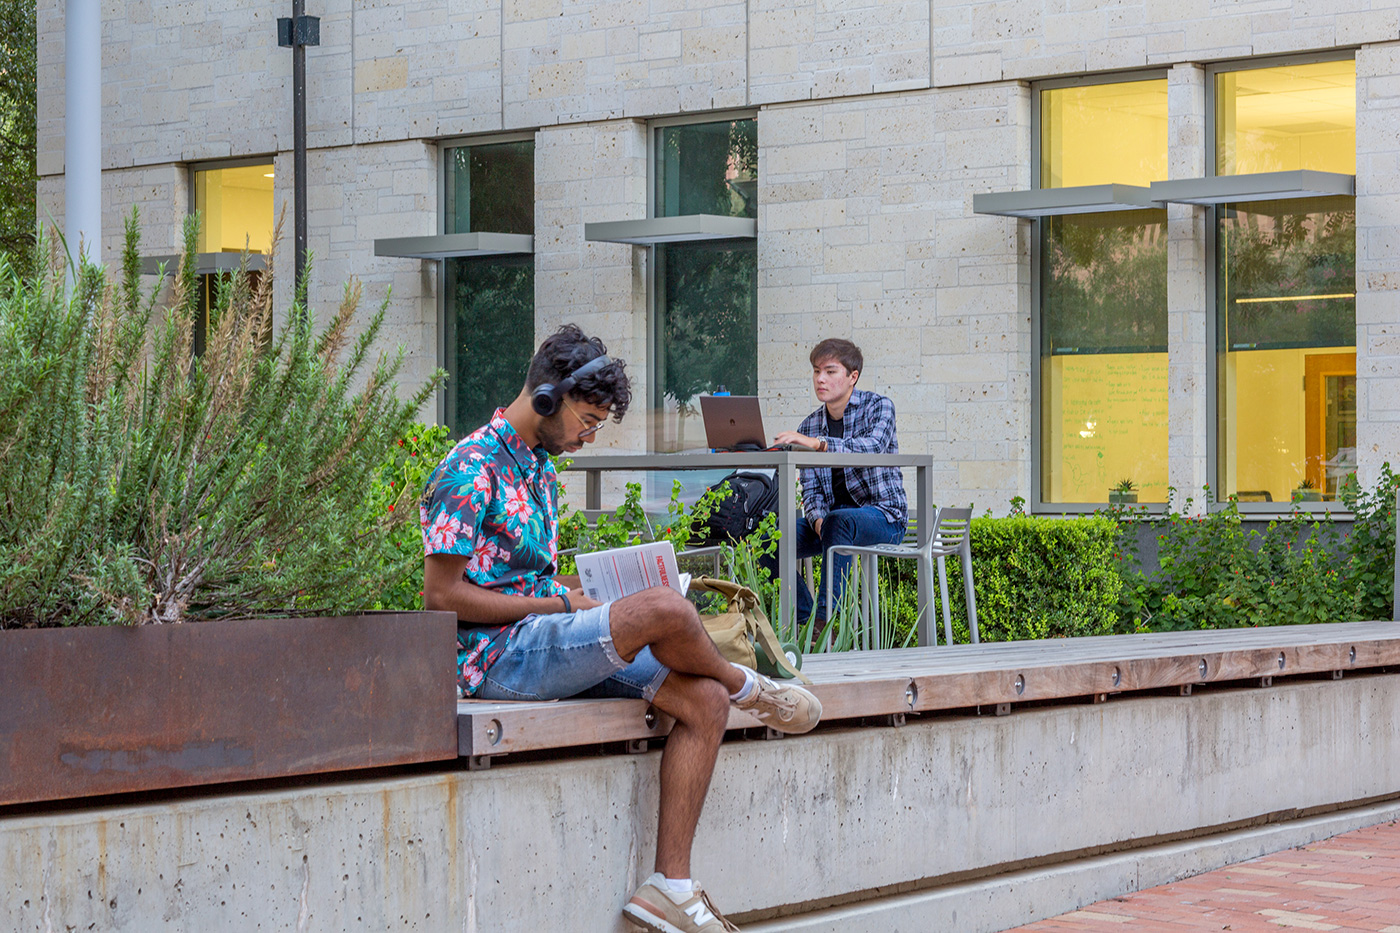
(299, 148)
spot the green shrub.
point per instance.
(1371, 545)
(141, 483)
(1039, 578)
(405, 471)
(1213, 574)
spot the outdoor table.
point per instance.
(787, 463)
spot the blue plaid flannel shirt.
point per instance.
(868, 429)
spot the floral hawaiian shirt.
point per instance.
(495, 501)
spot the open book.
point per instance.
(609, 575)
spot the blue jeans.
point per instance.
(862, 526)
(567, 654)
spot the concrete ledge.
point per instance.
(834, 818)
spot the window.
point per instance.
(489, 303)
(235, 207)
(1287, 117)
(1102, 280)
(1286, 287)
(705, 326)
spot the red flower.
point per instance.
(391, 508)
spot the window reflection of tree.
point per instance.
(709, 324)
(1289, 251)
(1104, 283)
(493, 302)
(494, 188)
(708, 168)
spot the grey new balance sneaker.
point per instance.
(786, 708)
(654, 907)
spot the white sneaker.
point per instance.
(788, 708)
(657, 908)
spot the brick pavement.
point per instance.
(1346, 883)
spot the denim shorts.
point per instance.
(569, 654)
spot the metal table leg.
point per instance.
(787, 546)
(923, 510)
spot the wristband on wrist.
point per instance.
(567, 607)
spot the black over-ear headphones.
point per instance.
(546, 396)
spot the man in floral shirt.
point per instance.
(490, 534)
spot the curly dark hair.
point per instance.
(566, 350)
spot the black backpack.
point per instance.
(751, 496)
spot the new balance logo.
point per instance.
(699, 913)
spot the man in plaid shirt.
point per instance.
(861, 506)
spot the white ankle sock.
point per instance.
(678, 885)
(750, 684)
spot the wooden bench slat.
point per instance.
(880, 683)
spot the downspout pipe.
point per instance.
(82, 129)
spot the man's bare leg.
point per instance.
(700, 706)
(696, 693)
(665, 620)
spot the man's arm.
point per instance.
(444, 588)
(876, 435)
(814, 504)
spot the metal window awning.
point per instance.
(1263, 186)
(1050, 202)
(684, 229)
(455, 245)
(205, 263)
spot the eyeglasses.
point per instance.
(589, 430)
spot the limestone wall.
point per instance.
(878, 122)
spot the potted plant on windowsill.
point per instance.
(1125, 493)
(1307, 491)
(145, 487)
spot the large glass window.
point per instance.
(1286, 328)
(1286, 288)
(489, 300)
(1103, 298)
(706, 298)
(1103, 344)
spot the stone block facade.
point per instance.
(863, 232)
(878, 121)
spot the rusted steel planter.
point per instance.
(87, 711)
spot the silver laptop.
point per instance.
(734, 422)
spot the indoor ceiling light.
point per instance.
(1255, 301)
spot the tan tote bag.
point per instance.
(743, 625)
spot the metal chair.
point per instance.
(950, 536)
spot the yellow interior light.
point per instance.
(1104, 134)
(1287, 118)
(1255, 301)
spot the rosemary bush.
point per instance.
(141, 483)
